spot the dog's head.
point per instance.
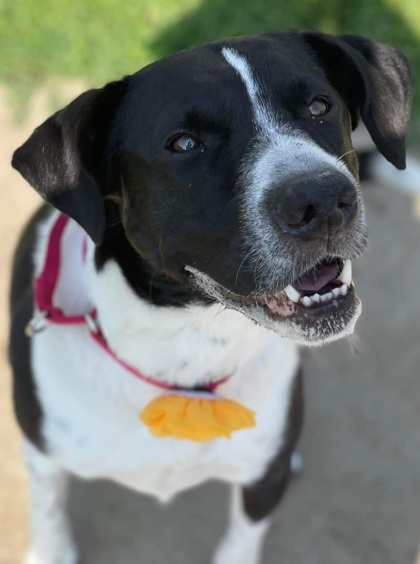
(232, 169)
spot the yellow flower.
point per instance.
(197, 418)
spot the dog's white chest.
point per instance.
(91, 417)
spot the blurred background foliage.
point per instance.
(100, 40)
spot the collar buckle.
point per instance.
(92, 324)
(37, 324)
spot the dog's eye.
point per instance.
(182, 143)
(319, 106)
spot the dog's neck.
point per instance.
(185, 346)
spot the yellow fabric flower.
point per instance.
(197, 418)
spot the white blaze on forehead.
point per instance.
(279, 152)
(262, 115)
(289, 150)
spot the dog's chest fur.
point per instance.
(91, 404)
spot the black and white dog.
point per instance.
(219, 189)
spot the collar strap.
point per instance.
(48, 313)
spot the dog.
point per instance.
(202, 218)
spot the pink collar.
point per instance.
(45, 285)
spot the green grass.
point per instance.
(99, 40)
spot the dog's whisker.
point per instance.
(240, 266)
(113, 223)
(344, 154)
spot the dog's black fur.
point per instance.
(27, 407)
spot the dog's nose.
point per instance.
(310, 204)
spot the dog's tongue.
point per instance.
(317, 278)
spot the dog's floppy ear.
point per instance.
(374, 81)
(66, 158)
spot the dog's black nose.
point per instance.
(310, 204)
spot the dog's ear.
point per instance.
(374, 81)
(66, 159)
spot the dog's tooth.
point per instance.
(344, 289)
(316, 298)
(306, 300)
(292, 294)
(329, 296)
(346, 273)
(336, 292)
(323, 298)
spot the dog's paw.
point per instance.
(297, 463)
(67, 555)
(235, 551)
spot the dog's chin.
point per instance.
(312, 320)
(336, 322)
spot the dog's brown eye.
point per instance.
(183, 143)
(319, 106)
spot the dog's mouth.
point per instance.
(326, 286)
(319, 305)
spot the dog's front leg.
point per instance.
(250, 516)
(51, 538)
(244, 539)
(252, 506)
